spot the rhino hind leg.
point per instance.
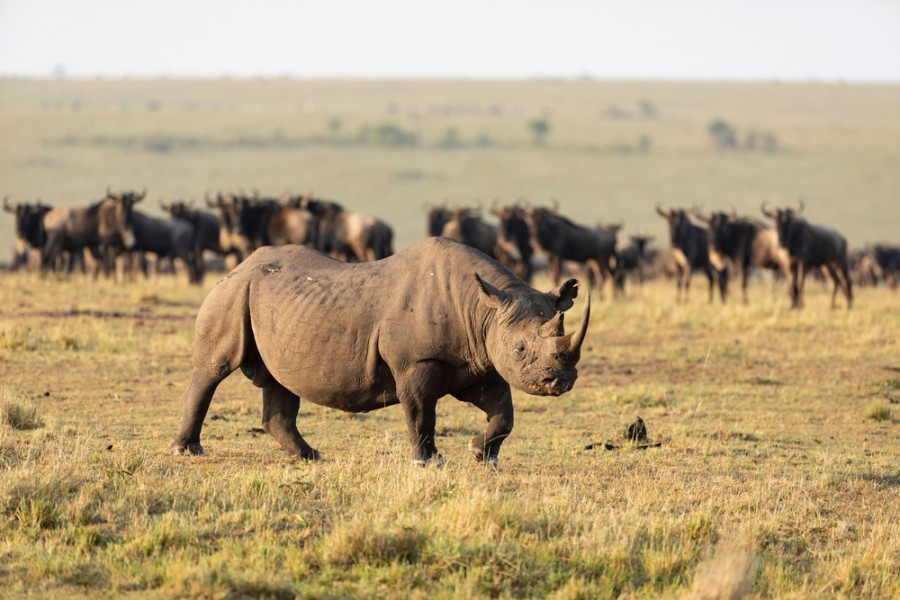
(493, 396)
(280, 408)
(194, 405)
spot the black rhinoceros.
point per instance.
(437, 318)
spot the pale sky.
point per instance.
(826, 40)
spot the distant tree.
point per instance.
(648, 109)
(645, 144)
(539, 129)
(723, 134)
(752, 139)
(769, 143)
(335, 124)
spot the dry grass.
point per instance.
(772, 479)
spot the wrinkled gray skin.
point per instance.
(437, 318)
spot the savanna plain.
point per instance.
(778, 469)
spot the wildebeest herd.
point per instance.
(111, 231)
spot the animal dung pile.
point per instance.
(635, 435)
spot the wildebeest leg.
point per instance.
(798, 273)
(280, 408)
(745, 272)
(722, 277)
(688, 274)
(416, 390)
(494, 398)
(595, 271)
(553, 263)
(843, 272)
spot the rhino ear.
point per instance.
(489, 294)
(564, 296)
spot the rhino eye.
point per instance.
(519, 351)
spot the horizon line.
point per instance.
(587, 78)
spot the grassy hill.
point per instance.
(612, 151)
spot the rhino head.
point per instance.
(527, 342)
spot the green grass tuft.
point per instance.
(20, 417)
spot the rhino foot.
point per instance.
(436, 460)
(478, 452)
(310, 455)
(191, 449)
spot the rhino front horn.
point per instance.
(577, 338)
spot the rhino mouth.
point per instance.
(554, 384)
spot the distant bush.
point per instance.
(725, 137)
(451, 139)
(878, 411)
(387, 134)
(723, 134)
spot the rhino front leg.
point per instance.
(418, 395)
(280, 408)
(493, 396)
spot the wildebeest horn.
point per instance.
(109, 193)
(6, 205)
(733, 212)
(765, 210)
(142, 195)
(209, 202)
(695, 210)
(800, 208)
(555, 204)
(163, 205)
(577, 338)
(662, 212)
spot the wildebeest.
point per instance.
(435, 218)
(690, 247)
(560, 239)
(97, 227)
(514, 247)
(630, 259)
(167, 239)
(437, 318)
(30, 232)
(250, 222)
(811, 247)
(207, 232)
(350, 235)
(465, 225)
(888, 260)
(746, 242)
